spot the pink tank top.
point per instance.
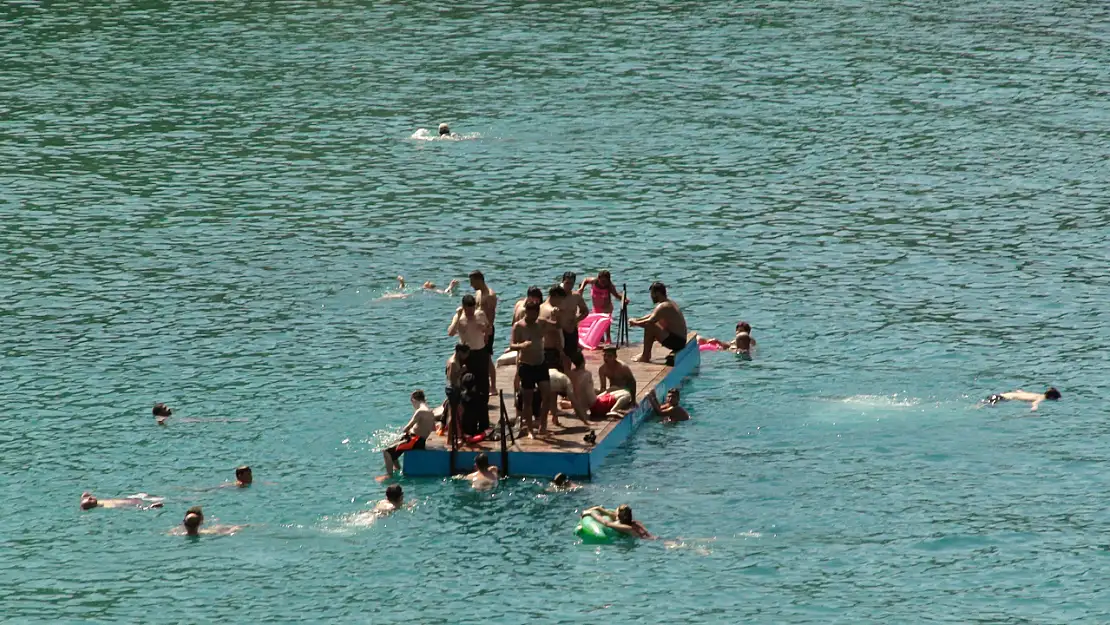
(600, 296)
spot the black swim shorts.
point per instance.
(570, 343)
(489, 343)
(552, 359)
(674, 342)
(532, 375)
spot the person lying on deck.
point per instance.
(665, 325)
(670, 411)
(620, 520)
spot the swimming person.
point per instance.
(571, 312)
(614, 374)
(414, 435)
(484, 476)
(445, 132)
(665, 325)
(620, 520)
(394, 499)
(161, 413)
(744, 343)
(194, 517)
(670, 411)
(142, 501)
(527, 340)
(487, 302)
(1020, 395)
(243, 476)
(473, 327)
(599, 405)
(562, 483)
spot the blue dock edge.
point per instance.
(545, 464)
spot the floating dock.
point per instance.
(564, 451)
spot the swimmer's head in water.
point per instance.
(481, 462)
(658, 292)
(535, 293)
(673, 396)
(1052, 393)
(193, 518)
(743, 326)
(743, 341)
(418, 397)
(556, 292)
(395, 494)
(577, 359)
(560, 479)
(428, 285)
(531, 311)
(162, 410)
(476, 279)
(624, 514)
(88, 502)
(243, 475)
(444, 129)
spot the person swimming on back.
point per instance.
(1020, 395)
(620, 520)
(144, 502)
(194, 517)
(670, 411)
(394, 499)
(484, 476)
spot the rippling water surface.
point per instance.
(202, 204)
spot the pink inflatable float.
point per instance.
(591, 330)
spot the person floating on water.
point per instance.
(602, 292)
(161, 413)
(1020, 395)
(743, 343)
(394, 499)
(665, 325)
(484, 476)
(445, 132)
(670, 411)
(243, 476)
(620, 520)
(194, 517)
(141, 501)
(414, 435)
(427, 286)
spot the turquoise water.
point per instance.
(203, 203)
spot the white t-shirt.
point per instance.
(560, 383)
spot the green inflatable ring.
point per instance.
(593, 532)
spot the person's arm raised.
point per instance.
(453, 329)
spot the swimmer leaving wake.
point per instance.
(1019, 395)
(162, 414)
(429, 287)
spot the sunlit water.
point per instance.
(203, 203)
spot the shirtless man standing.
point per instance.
(487, 302)
(472, 327)
(614, 374)
(571, 313)
(550, 311)
(534, 295)
(527, 340)
(664, 325)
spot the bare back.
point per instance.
(487, 301)
(671, 318)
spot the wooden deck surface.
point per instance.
(569, 437)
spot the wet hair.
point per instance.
(477, 274)
(535, 291)
(569, 275)
(674, 391)
(557, 291)
(241, 471)
(1052, 393)
(743, 326)
(468, 300)
(394, 493)
(658, 287)
(86, 499)
(560, 479)
(624, 514)
(461, 347)
(162, 410)
(444, 129)
(482, 461)
(577, 359)
(531, 306)
(193, 518)
(418, 395)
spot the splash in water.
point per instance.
(423, 134)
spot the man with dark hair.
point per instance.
(484, 476)
(394, 499)
(535, 294)
(670, 411)
(414, 435)
(472, 327)
(665, 325)
(243, 476)
(487, 303)
(194, 517)
(571, 312)
(527, 341)
(1019, 395)
(161, 413)
(550, 315)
